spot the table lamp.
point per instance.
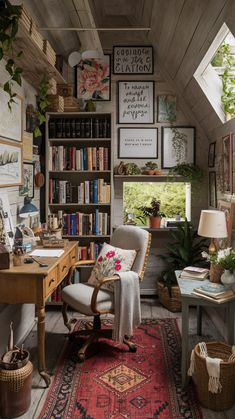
(212, 224)
(28, 209)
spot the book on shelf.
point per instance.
(95, 191)
(71, 158)
(80, 224)
(194, 272)
(86, 127)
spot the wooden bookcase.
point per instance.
(72, 139)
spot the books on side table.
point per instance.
(194, 272)
(215, 292)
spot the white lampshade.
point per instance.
(90, 53)
(212, 223)
(74, 58)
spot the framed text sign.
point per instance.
(137, 143)
(133, 59)
(135, 102)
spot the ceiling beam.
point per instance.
(80, 29)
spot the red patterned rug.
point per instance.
(116, 384)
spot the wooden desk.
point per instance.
(189, 299)
(32, 284)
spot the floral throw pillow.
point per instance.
(111, 260)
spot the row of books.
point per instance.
(70, 158)
(89, 127)
(80, 224)
(89, 252)
(95, 191)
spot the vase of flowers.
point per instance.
(222, 265)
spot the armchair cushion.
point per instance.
(110, 261)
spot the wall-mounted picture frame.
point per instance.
(94, 79)
(27, 189)
(229, 209)
(135, 102)
(178, 146)
(137, 143)
(212, 189)
(227, 163)
(11, 163)
(11, 121)
(133, 59)
(6, 220)
(211, 154)
(166, 108)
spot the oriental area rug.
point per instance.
(116, 384)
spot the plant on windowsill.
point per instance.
(9, 18)
(153, 212)
(186, 250)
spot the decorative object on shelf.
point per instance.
(131, 169)
(120, 169)
(190, 172)
(9, 19)
(229, 209)
(166, 108)
(151, 168)
(11, 167)
(93, 78)
(153, 212)
(227, 158)
(28, 186)
(133, 59)
(42, 104)
(137, 143)
(212, 189)
(11, 121)
(178, 146)
(135, 102)
(90, 106)
(211, 154)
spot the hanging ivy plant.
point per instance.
(190, 172)
(42, 104)
(9, 18)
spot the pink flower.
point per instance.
(100, 259)
(117, 267)
(110, 254)
(94, 78)
(117, 261)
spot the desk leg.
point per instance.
(199, 320)
(185, 329)
(230, 320)
(41, 345)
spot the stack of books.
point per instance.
(194, 272)
(217, 293)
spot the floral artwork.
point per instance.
(111, 260)
(93, 79)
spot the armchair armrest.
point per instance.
(76, 265)
(96, 290)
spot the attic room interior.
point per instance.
(117, 209)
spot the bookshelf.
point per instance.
(79, 176)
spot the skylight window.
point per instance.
(216, 74)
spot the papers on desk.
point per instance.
(54, 253)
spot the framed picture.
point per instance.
(227, 153)
(135, 102)
(133, 59)
(137, 143)
(229, 209)
(212, 190)
(178, 146)
(6, 221)
(11, 167)
(27, 189)
(166, 109)
(93, 79)
(211, 154)
(11, 121)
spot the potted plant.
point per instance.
(151, 168)
(153, 212)
(186, 250)
(190, 172)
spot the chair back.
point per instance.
(134, 238)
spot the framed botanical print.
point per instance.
(166, 108)
(11, 166)
(135, 102)
(27, 189)
(11, 121)
(93, 79)
(212, 190)
(227, 162)
(211, 154)
(178, 146)
(229, 209)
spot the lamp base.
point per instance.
(212, 247)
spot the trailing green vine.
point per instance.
(42, 104)
(190, 172)
(9, 18)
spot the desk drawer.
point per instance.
(51, 282)
(64, 266)
(73, 256)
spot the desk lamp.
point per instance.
(212, 224)
(28, 209)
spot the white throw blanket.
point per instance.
(126, 305)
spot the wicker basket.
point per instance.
(173, 302)
(226, 398)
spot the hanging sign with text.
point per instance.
(135, 102)
(133, 60)
(138, 143)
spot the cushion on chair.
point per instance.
(110, 261)
(78, 296)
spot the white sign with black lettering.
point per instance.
(133, 60)
(138, 143)
(135, 102)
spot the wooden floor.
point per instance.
(56, 335)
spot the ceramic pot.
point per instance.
(227, 277)
(154, 222)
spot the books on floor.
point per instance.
(218, 293)
(194, 272)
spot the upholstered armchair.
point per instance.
(99, 299)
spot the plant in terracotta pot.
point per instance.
(151, 168)
(153, 212)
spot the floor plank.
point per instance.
(56, 336)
